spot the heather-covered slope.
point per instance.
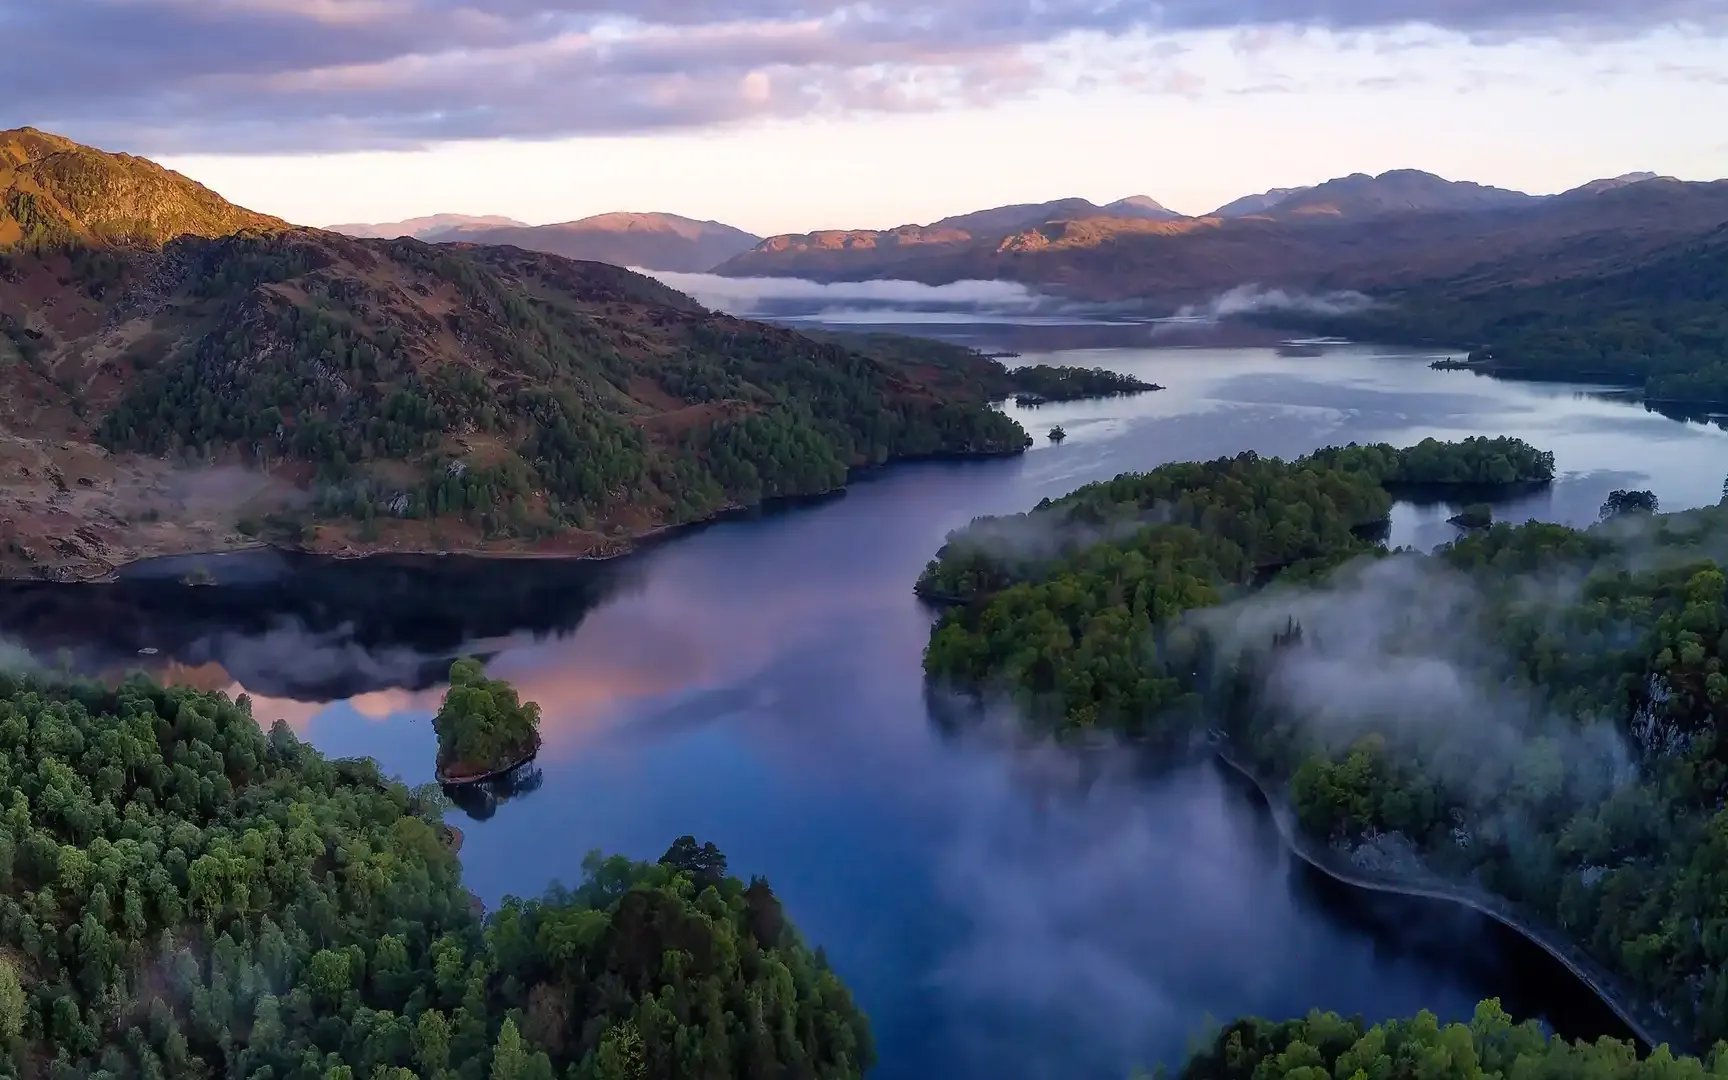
(304, 387)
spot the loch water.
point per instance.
(1001, 911)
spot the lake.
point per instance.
(1000, 910)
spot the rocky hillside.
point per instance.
(54, 192)
(163, 394)
(649, 241)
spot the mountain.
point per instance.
(860, 254)
(1401, 191)
(432, 227)
(1255, 204)
(167, 392)
(1596, 187)
(1359, 233)
(650, 241)
(54, 192)
(1141, 206)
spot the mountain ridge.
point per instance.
(652, 241)
(427, 227)
(1356, 232)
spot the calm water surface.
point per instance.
(1000, 912)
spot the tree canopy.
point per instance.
(184, 895)
(1528, 715)
(1326, 1046)
(482, 726)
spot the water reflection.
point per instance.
(481, 801)
(309, 629)
(999, 909)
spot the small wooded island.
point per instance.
(484, 730)
(1042, 384)
(1473, 516)
(1562, 763)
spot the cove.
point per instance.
(999, 910)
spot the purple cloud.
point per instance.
(164, 76)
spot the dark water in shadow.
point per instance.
(1001, 912)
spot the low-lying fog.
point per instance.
(957, 309)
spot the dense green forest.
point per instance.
(1062, 607)
(183, 894)
(1474, 462)
(1563, 753)
(482, 726)
(1325, 1046)
(1661, 324)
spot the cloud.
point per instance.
(1254, 299)
(769, 296)
(271, 75)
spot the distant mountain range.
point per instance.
(1132, 247)
(649, 241)
(646, 241)
(1354, 232)
(433, 227)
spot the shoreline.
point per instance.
(468, 779)
(1651, 1030)
(611, 549)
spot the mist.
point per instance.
(1399, 647)
(889, 301)
(1253, 299)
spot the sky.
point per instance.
(791, 115)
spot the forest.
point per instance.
(357, 381)
(1476, 462)
(509, 395)
(1490, 1046)
(1563, 753)
(482, 726)
(1660, 324)
(184, 893)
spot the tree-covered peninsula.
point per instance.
(483, 727)
(1527, 716)
(185, 895)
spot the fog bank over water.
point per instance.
(800, 299)
(1002, 314)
